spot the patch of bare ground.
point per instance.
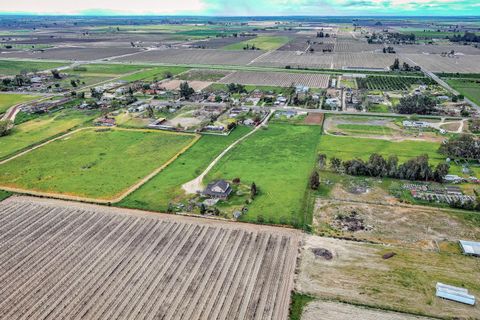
(329, 310)
(409, 226)
(358, 273)
(194, 84)
(314, 118)
(65, 260)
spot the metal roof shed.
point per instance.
(454, 293)
(470, 247)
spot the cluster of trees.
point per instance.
(462, 147)
(250, 47)
(185, 90)
(5, 127)
(321, 34)
(404, 67)
(236, 88)
(389, 50)
(417, 168)
(416, 104)
(467, 37)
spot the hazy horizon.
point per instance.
(245, 8)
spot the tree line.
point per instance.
(417, 168)
(465, 147)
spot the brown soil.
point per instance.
(314, 118)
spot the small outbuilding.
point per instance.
(470, 248)
(454, 293)
(219, 189)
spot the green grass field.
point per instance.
(365, 129)
(151, 74)
(261, 42)
(279, 160)
(11, 67)
(166, 187)
(41, 128)
(7, 100)
(347, 148)
(469, 88)
(93, 163)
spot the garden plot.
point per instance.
(281, 79)
(378, 61)
(295, 59)
(175, 84)
(73, 53)
(437, 63)
(358, 273)
(195, 56)
(92, 163)
(90, 262)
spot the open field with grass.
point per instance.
(279, 160)
(166, 187)
(365, 129)
(93, 163)
(93, 262)
(347, 148)
(357, 273)
(156, 73)
(42, 128)
(470, 88)
(12, 67)
(260, 42)
(7, 100)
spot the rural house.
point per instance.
(218, 189)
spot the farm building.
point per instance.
(471, 248)
(220, 189)
(415, 124)
(454, 293)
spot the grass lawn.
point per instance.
(4, 195)
(469, 88)
(93, 163)
(157, 73)
(42, 128)
(347, 148)
(260, 42)
(279, 160)
(166, 187)
(7, 100)
(365, 129)
(299, 301)
(12, 67)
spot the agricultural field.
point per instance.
(153, 74)
(203, 75)
(72, 54)
(261, 42)
(12, 67)
(86, 261)
(166, 187)
(470, 88)
(357, 272)
(282, 59)
(281, 79)
(437, 63)
(391, 83)
(95, 163)
(194, 56)
(266, 158)
(7, 100)
(42, 128)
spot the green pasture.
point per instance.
(279, 160)
(261, 42)
(94, 163)
(13, 67)
(166, 187)
(470, 88)
(156, 73)
(9, 99)
(40, 129)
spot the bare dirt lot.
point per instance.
(327, 310)
(175, 84)
(413, 227)
(314, 118)
(62, 260)
(359, 273)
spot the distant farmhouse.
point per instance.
(220, 189)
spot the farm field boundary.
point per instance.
(116, 198)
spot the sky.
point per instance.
(245, 7)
